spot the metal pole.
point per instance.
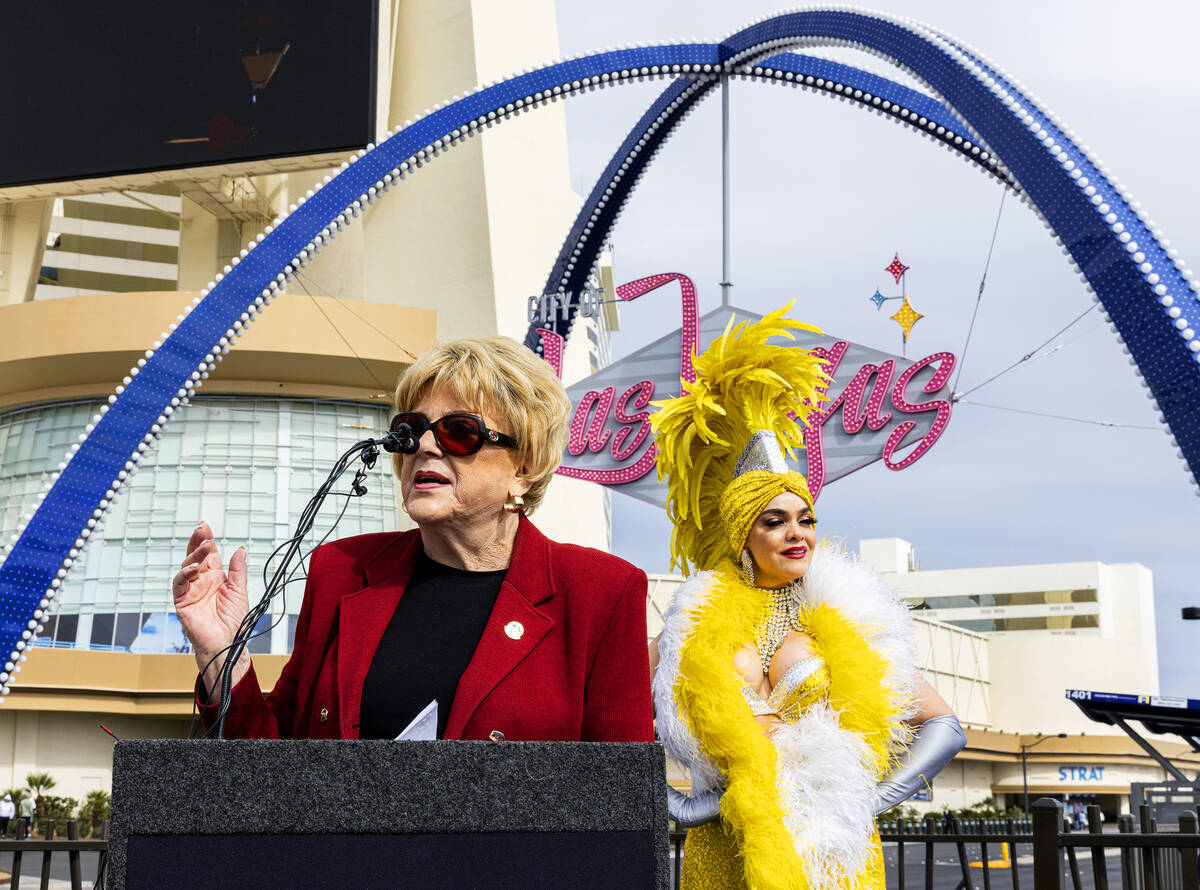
(1025, 780)
(1024, 771)
(726, 284)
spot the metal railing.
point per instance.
(972, 841)
(999, 836)
(1150, 859)
(23, 847)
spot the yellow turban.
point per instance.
(748, 495)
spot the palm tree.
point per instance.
(39, 782)
(97, 805)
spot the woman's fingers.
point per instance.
(200, 534)
(237, 569)
(202, 547)
(183, 578)
(196, 553)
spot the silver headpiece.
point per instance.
(762, 452)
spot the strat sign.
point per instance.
(880, 406)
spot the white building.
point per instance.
(1080, 625)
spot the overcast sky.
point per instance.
(824, 193)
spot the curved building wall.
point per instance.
(247, 466)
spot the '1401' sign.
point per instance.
(880, 406)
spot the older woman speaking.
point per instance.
(513, 635)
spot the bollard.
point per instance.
(1189, 861)
(48, 831)
(73, 855)
(1047, 825)
(1099, 863)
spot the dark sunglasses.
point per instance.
(459, 433)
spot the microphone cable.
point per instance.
(400, 440)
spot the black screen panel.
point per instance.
(96, 89)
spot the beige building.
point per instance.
(92, 272)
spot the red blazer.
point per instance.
(577, 670)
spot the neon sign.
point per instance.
(881, 406)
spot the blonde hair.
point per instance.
(498, 376)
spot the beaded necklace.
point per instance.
(783, 612)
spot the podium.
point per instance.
(376, 814)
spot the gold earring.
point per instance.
(514, 504)
(748, 566)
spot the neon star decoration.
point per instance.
(879, 299)
(906, 317)
(896, 267)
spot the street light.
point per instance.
(1024, 769)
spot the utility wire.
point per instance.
(345, 305)
(1109, 423)
(353, 352)
(979, 298)
(1027, 356)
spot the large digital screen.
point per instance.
(93, 89)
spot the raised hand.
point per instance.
(211, 603)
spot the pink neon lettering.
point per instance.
(552, 350)
(634, 289)
(853, 415)
(644, 391)
(631, 473)
(591, 435)
(814, 446)
(941, 406)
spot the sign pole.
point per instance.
(726, 284)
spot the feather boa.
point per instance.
(816, 830)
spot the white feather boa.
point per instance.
(825, 784)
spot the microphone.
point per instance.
(400, 440)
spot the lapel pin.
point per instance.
(515, 630)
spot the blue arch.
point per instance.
(1142, 290)
(614, 186)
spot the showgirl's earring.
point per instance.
(748, 566)
(514, 504)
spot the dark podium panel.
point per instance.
(367, 814)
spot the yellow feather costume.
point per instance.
(796, 808)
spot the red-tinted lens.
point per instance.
(415, 422)
(458, 435)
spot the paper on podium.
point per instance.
(423, 727)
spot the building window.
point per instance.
(247, 466)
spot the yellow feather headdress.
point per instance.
(744, 385)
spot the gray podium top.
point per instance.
(310, 787)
